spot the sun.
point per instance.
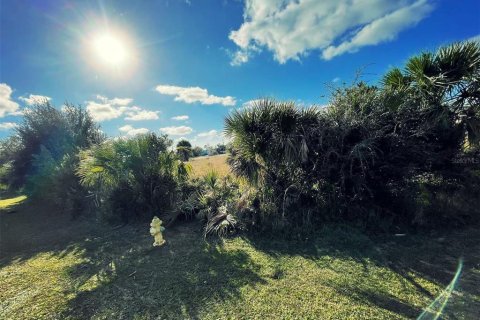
(110, 49)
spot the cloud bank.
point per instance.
(293, 28)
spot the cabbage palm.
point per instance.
(448, 80)
(140, 169)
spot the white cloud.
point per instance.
(180, 118)
(177, 131)
(35, 98)
(194, 94)
(242, 56)
(131, 131)
(107, 109)
(293, 28)
(137, 114)
(211, 137)
(18, 113)
(103, 111)
(7, 126)
(7, 106)
(382, 29)
(211, 133)
(115, 101)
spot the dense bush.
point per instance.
(362, 157)
(41, 157)
(133, 178)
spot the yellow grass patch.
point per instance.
(6, 203)
(203, 165)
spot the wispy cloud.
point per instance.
(7, 126)
(7, 105)
(194, 94)
(138, 114)
(211, 133)
(180, 118)
(177, 131)
(35, 98)
(115, 101)
(130, 131)
(107, 109)
(211, 137)
(291, 29)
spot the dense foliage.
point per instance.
(42, 155)
(133, 178)
(404, 153)
(375, 155)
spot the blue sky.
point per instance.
(178, 66)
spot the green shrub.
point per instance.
(41, 156)
(219, 202)
(133, 178)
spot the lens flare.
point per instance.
(435, 310)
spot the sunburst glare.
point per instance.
(110, 49)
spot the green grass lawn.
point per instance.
(54, 268)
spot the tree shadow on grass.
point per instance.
(125, 277)
(31, 228)
(119, 274)
(412, 259)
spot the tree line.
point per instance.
(403, 153)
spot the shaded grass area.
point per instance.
(203, 165)
(52, 267)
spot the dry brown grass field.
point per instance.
(202, 165)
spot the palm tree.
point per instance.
(448, 79)
(184, 149)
